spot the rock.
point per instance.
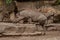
(10, 29)
(30, 28)
(32, 34)
(52, 28)
(18, 29)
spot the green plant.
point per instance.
(8, 2)
(57, 2)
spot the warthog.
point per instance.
(35, 17)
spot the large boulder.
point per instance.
(18, 29)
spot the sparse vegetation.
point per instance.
(58, 2)
(8, 2)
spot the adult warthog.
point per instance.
(35, 16)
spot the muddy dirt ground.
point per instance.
(51, 35)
